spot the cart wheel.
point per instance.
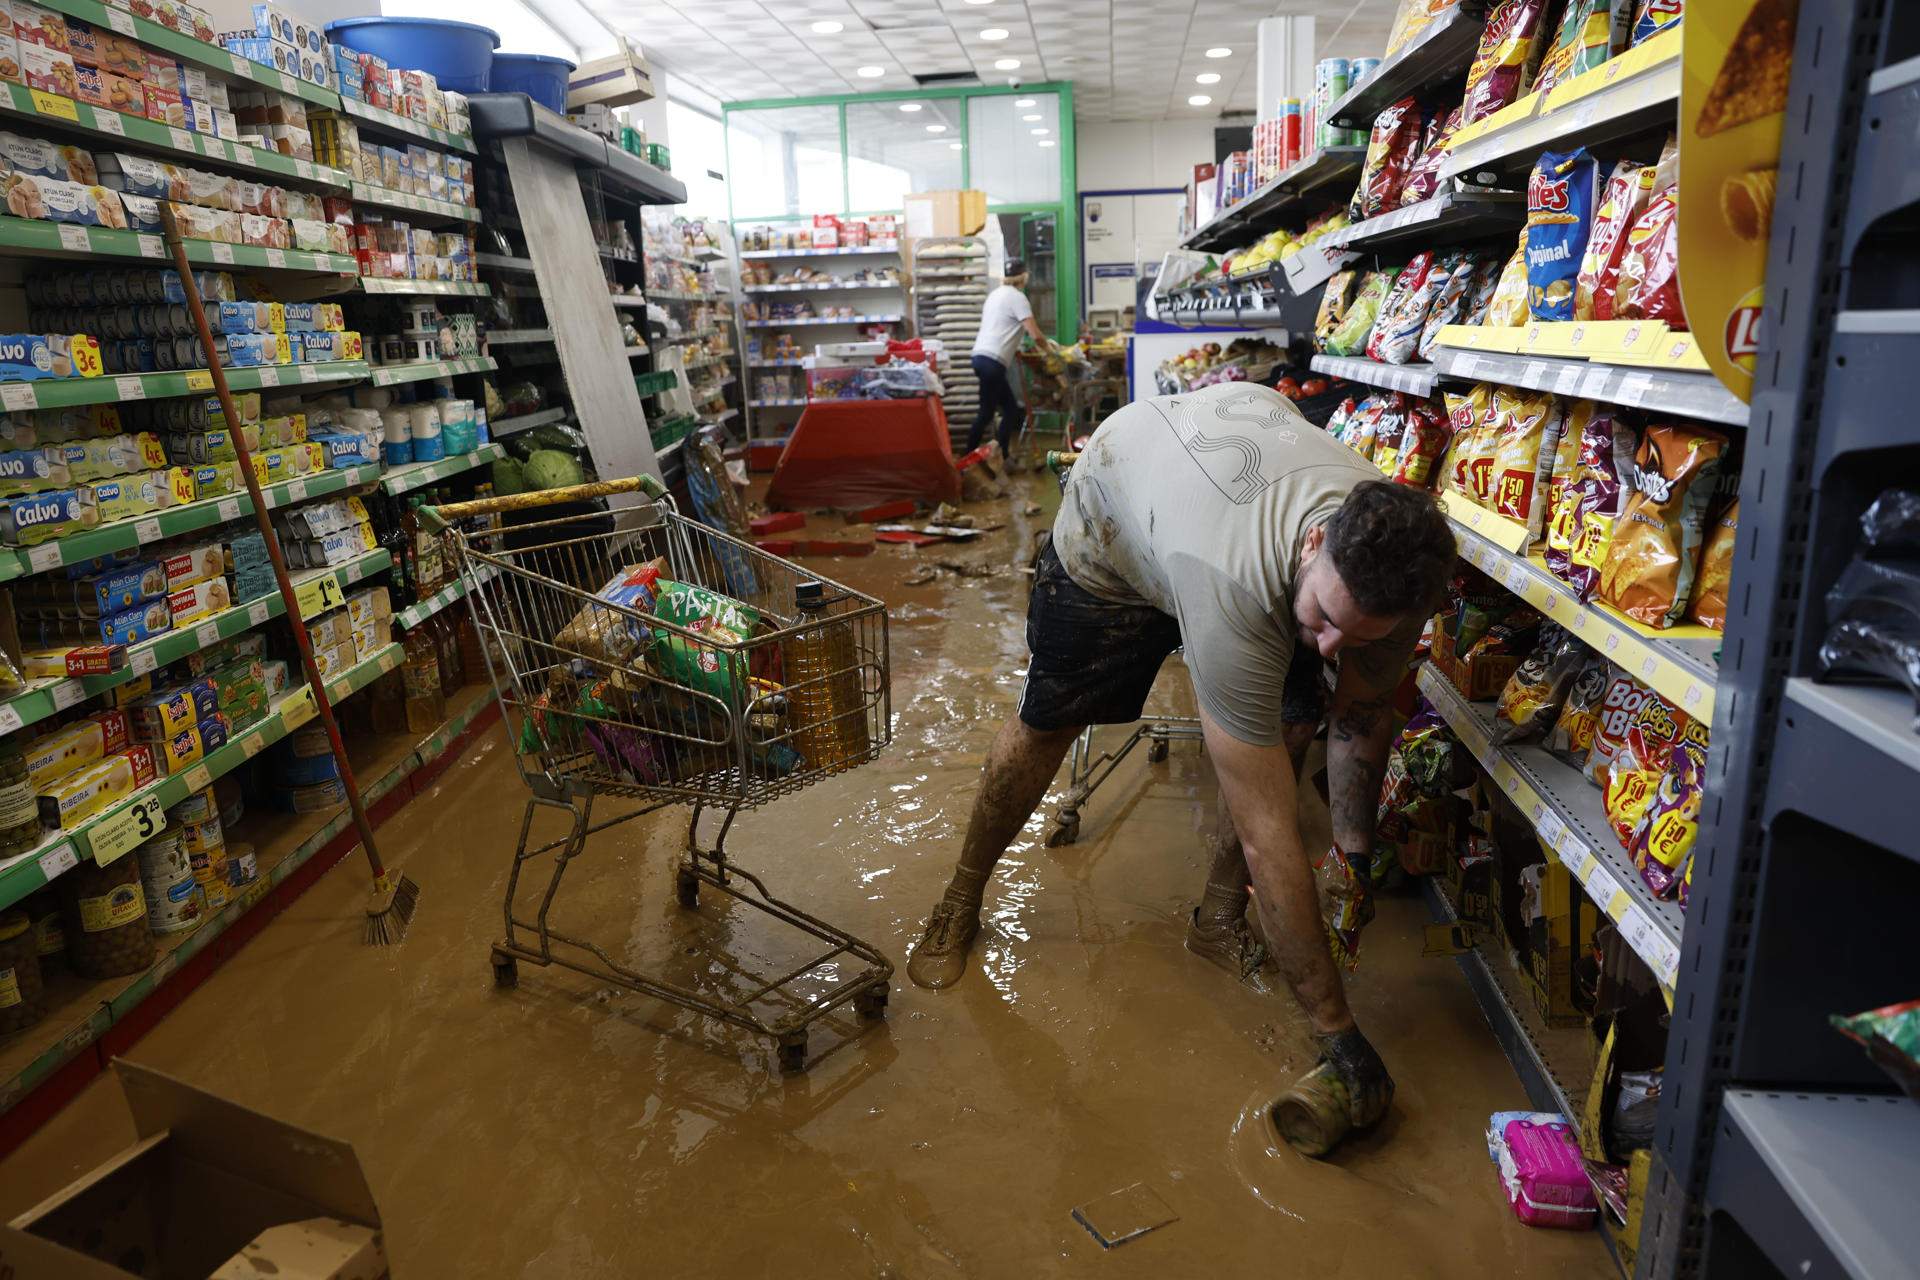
(793, 1052)
(871, 1004)
(1065, 831)
(686, 887)
(1156, 750)
(506, 971)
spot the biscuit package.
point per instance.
(1711, 584)
(1655, 550)
(1561, 196)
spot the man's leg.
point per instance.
(1220, 930)
(1020, 764)
(1013, 414)
(983, 369)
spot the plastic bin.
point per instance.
(540, 77)
(458, 55)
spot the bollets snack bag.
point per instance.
(1391, 148)
(1620, 203)
(1530, 703)
(1579, 719)
(1507, 307)
(1562, 490)
(1710, 586)
(1606, 473)
(1662, 841)
(1396, 333)
(1529, 425)
(1510, 48)
(1349, 337)
(1655, 550)
(1619, 708)
(1561, 196)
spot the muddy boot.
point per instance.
(1348, 1089)
(941, 958)
(1231, 944)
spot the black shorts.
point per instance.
(1094, 662)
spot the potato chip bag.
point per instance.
(1591, 31)
(1391, 148)
(1530, 703)
(1423, 175)
(1465, 412)
(1662, 842)
(1606, 470)
(1655, 549)
(1333, 305)
(1507, 308)
(1649, 286)
(1486, 275)
(1620, 706)
(1621, 201)
(1403, 314)
(1561, 195)
(1412, 18)
(1363, 433)
(1655, 16)
(1349, 337)
(1711, 584)
(1449, 300)
(1421, 445)
(1573, 729)
(1633, 774)
(1510, 48)
(1341, 417)
(1562, 488)
(1529, 424)
(1648, 182)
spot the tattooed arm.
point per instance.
(1359, 731)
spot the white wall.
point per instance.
(1131, 154)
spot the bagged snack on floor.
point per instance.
(1662, 840)
(1649, 287)
(1573, 729)
(1620, 706)
(1529, 425)
(1510, 49)
(1507, 308)
(1607, 446)
(1531, 701)
(1403, 313)
(1712, 583)
(1591, 31)
(1389, 428)
(1349, 337)
(1423, 175)
(1649, 182)
(1621, 201)
(1390, 149)
(1333, 305)
(1469, 466)
(1563, 496)
(1450, 300)
(1654, 16)
(1655, 550)
(1633, 772)
(1561, 195)
(1421, 445)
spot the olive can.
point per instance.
(19, 811)
(105, 915)
(22, 997)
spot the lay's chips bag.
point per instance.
(1561, 196)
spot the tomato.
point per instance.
(1314, 387)
(1288, 388)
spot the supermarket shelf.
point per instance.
(500, 262)
(415, 614)
(667, 450)
(689, 295)
(385, 197)
(1871, 729)
(775, 404)
(641, 349)
(863, 251)
(1448, 218)
(393, 375)
(1859, 419)
(1822, 1183)
(187, 49)
(713, 419)
(683, 338)
(106, 129)
(691, 365)
(797, 362)
(1683, 672)
(60, 393)
(1437, 56)
(620, 300)
(515, 115)
(460, 288)
(527, 421)
(1885, 178)
(826, 286)
(1284, 198)
(518, 337)
(1414, 379)
(123, 535)
(668, 255)
(380, 120)
(1674, 391)
(47, 697)
(781, 324)
(413, 475)
(40, 239)
(1569, 814)
(717, 384)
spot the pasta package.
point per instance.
(1711, 585)
(1621, 201)
(1510, 49)
(1391, 148)
(1561, 195)
(1661, 845)
(1562, 488)
(1655, 550)
(1507, 308)
(1606, 469)
(1529, 425)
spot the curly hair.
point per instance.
(1392, 547)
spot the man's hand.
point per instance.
(1369, 1087)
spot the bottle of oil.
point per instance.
(426, 705)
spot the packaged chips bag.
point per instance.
(1649, 181)
(1341, 418)
(1563, 488)
(1421, 444)
(1388, 430)
(1649, 285)
(1531, 700)
(1510, 49)
(1363, 429)
(1655, 550)
(1711, 584)
(1573, 729)
(1403, 313)
(1654, 16)
(1662, 840)
(1634, 769)
(1333, 305)
(1450, 300)
(1507, 308)
(1621, 201)
(1391, 148)
(1415, 822)
(1468, 467)
(1607, 446)
(1349, 337)
(1529, 425)
(1561, 195)
(1423, 175)
(1591, 31)
(1620, 707)
(1486, 277)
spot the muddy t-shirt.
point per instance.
(1197, 505)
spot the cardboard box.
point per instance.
(1560, 927)
(944, 213)
(618, 81)
(1478, 679)
(292, 1202)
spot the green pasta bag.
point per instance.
(701, 610)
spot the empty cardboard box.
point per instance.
(944, 213)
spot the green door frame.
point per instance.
(1066, 211)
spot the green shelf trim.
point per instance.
(188, 49)
(413, 475)
(386, 197)
(415, 614)
(395, 374)
(381, 118)
(463, 288)
(60, 393)
(37, 237)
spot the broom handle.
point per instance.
(237, 432)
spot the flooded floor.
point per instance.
(569, 1128)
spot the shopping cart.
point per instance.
(613, 685)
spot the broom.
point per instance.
(394, 899)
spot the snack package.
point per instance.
(1421, 445)
(1606, 474)
(1350, 336)
(1621, 201)
(1507, 308)
(1341, 418)
(1561, 196)
(1563, 490)
(1653, 17)
(1510, 48)
(1573, 729)
(1649, 181)
(1890, 1035)
(1529, 425)
(1403, 313)
(1712, 583)
(1391, 148)
(1449, 300)
(1649, 287)
(607, 635)
(1467, 468)
(1633, 772)
(1662, 840)
(1423, 175)
(1333, 305)
(1619, 707)
(1363, 429)
(1655, 550)
(702, 611)
(1591, 31)
(1389, 426)
(1531, 701)
(1412, 18)
(1486, 276)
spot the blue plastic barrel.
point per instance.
(542, 78)
(458, 55)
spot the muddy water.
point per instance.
(567, 1128)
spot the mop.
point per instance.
(394, 899)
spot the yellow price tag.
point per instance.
(199, 380)
(298, 709)
(180, 484)
(52, 104)
(86, 360)
(318, 596)
(131, 827)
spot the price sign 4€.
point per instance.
(118, 833)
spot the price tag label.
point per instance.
(44, 557)
(19, 395)
(109, 121)
(133, 388)
(1467, 366)
(1534, 375)
(1634, 388)
(68, 693)
(9, 718)
(309, 374)
(143, 661)
(1601, 886)
(198, 778)
(252, 745)
(269, 376)
(1567, 379)
(61, 857)
(276, 258)
(1551, 829)
(150, 246)
(319, 595)
(382, 377)
(258, 612)
(181, 139)
(229, 509)
(199, 380)
(1648, 666)
(222, 252)
(287, 82)
(52, 104)
(207, 634)
(1693, 696)
(244, 154)
(147, 530)
(120, 21)
(117, 834)
(303, 168)
(296, 490)
(1612, 642)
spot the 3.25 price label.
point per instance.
(118, 833)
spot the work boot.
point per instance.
(1231, 944)
(941, 958)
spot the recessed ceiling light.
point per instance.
(1024, 102)
(1006, 64)
(827, 26)
(936, 128)
(1220, 51)
(979, 1)
(871, 72)
(1207, 77)
(955, 146)
(994, 33)
(1199, 100)
(1032, 119)
(909, 106)
(1039, 133)
(1046, 142)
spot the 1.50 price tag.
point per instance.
(114, 835)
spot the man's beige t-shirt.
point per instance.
(1197, 505)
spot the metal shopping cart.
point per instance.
(746, 679)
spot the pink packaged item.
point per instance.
(1541, 1170)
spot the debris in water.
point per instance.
(1123, 1215)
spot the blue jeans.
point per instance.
(996, 393)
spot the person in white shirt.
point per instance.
(1006, 313)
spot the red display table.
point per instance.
(857, 453)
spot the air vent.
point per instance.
(944, 79)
